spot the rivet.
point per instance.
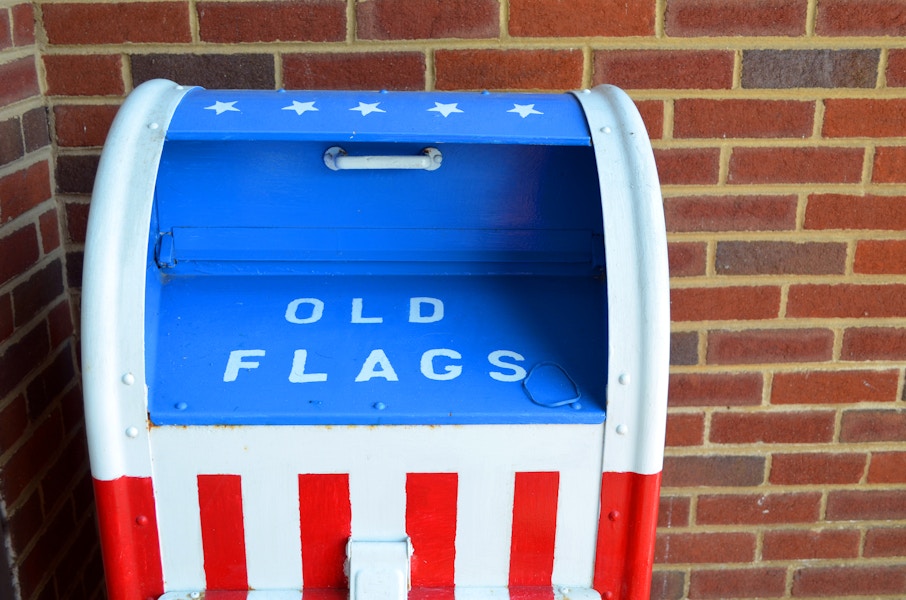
(195, 595)
(624, 379)
(608, 595)
(132, 432)
(622, 429)
(179, 87)
(380, 405)
(606, 130)
(141, 520)
(153, 126)
(181, 406)
(576, 406)
(614, 515)
(128, 378)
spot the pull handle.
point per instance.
(337, 159)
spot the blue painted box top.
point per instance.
(282, 291)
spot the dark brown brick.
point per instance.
(678, 548)
(861, 17)
(796, 545)
(11, 144)
(684, 348)
(427, 19)
(813, 427)
(32, 457)
(34, 128)
(26, 521)
(700, 118)
(874, 343)
(75, 173)
(780, 258)
(84, 75)
(360, 70)
(50, 383)
(37, 292)
(20, 251)
(730, 213)
(6, 34)
(214, 71)
(796, 165)
(74, 263)
(737, 583)
(715, 389)
(6, 315)
(713, 471)
(887, 467)
(842, 581)
(687, 166)
(117, 23)
(873, 426)
(13, 422)
(508, 69)
(77, 221)
(663, 69)
(83, 125)
(688, 18)
(59, 322)
(298, 21)
(785, 69)
(581, 18)
(49, 227)
(862, 505)
(839, 211)
(667, 585)
(816, 468)
(20, 80)
(770, 346)
(686, 259)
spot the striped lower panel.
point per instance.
(517, 593)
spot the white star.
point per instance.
(445, 109)
(366, 109)
(525, 110)
(301, 107)
(222, 107)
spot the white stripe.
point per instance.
(576, 539)
(484, 526)
(271, 519)
(378, 497)
(182, 556)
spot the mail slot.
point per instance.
(376, 344)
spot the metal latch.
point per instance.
(378, 570)
(337, 159)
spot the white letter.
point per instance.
(377, 357)
(415, 310)
(357, 313)
(235, 363)
(518, 372)
(298, 374)
(317, 309)
(450, 371)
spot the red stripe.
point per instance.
(222, 531)
(532, 592)
(431, 526)
(131, 547)
(438, 593)
(534, 528)
(626, 530)
(325, 517)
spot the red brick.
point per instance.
(581, 18)
(362, 70)
(724, 304)
(888, 167)
(50, 383)
(83, 125)
(699, 118)
(679, 548)
(23, 25)
(838, 211)
(20, 80)
(847, 300)
(834, 387)
(839, 581)
(780, 258)
(796, 165)
(812, 427)
(6, 34)
(770, 346)
(718, 18)
(26, 522)
(52, 539)
(685, 430)
(19, 251)
(896, 68)
(844, 117)
(880, 257)
(6, 315)
(730, 213)
(23, 190)
(32, 458)
(668, 585)
(816, 468)
(687, 166)
(508, 69)
(859, 505)
(77, 221)
(887, 541)
(713, 471)
(50, 231)
(757, 509)
(300, 21)
(92, 75)
(59, 322)
(887, 467)
(13, 422)
(37, 292)
(861, 17)
(664, 69)
(673, 511)
(715, 389)
(62, 474)
(737, 583)
(797, 545)
(652, 113)
(874, 343)
(427, 19)
(117, 23)
(686, 259)
(873, 426)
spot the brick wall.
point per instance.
(779, 128)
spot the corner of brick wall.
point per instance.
(779, 128)
(45, 487)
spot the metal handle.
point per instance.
(337, 159)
